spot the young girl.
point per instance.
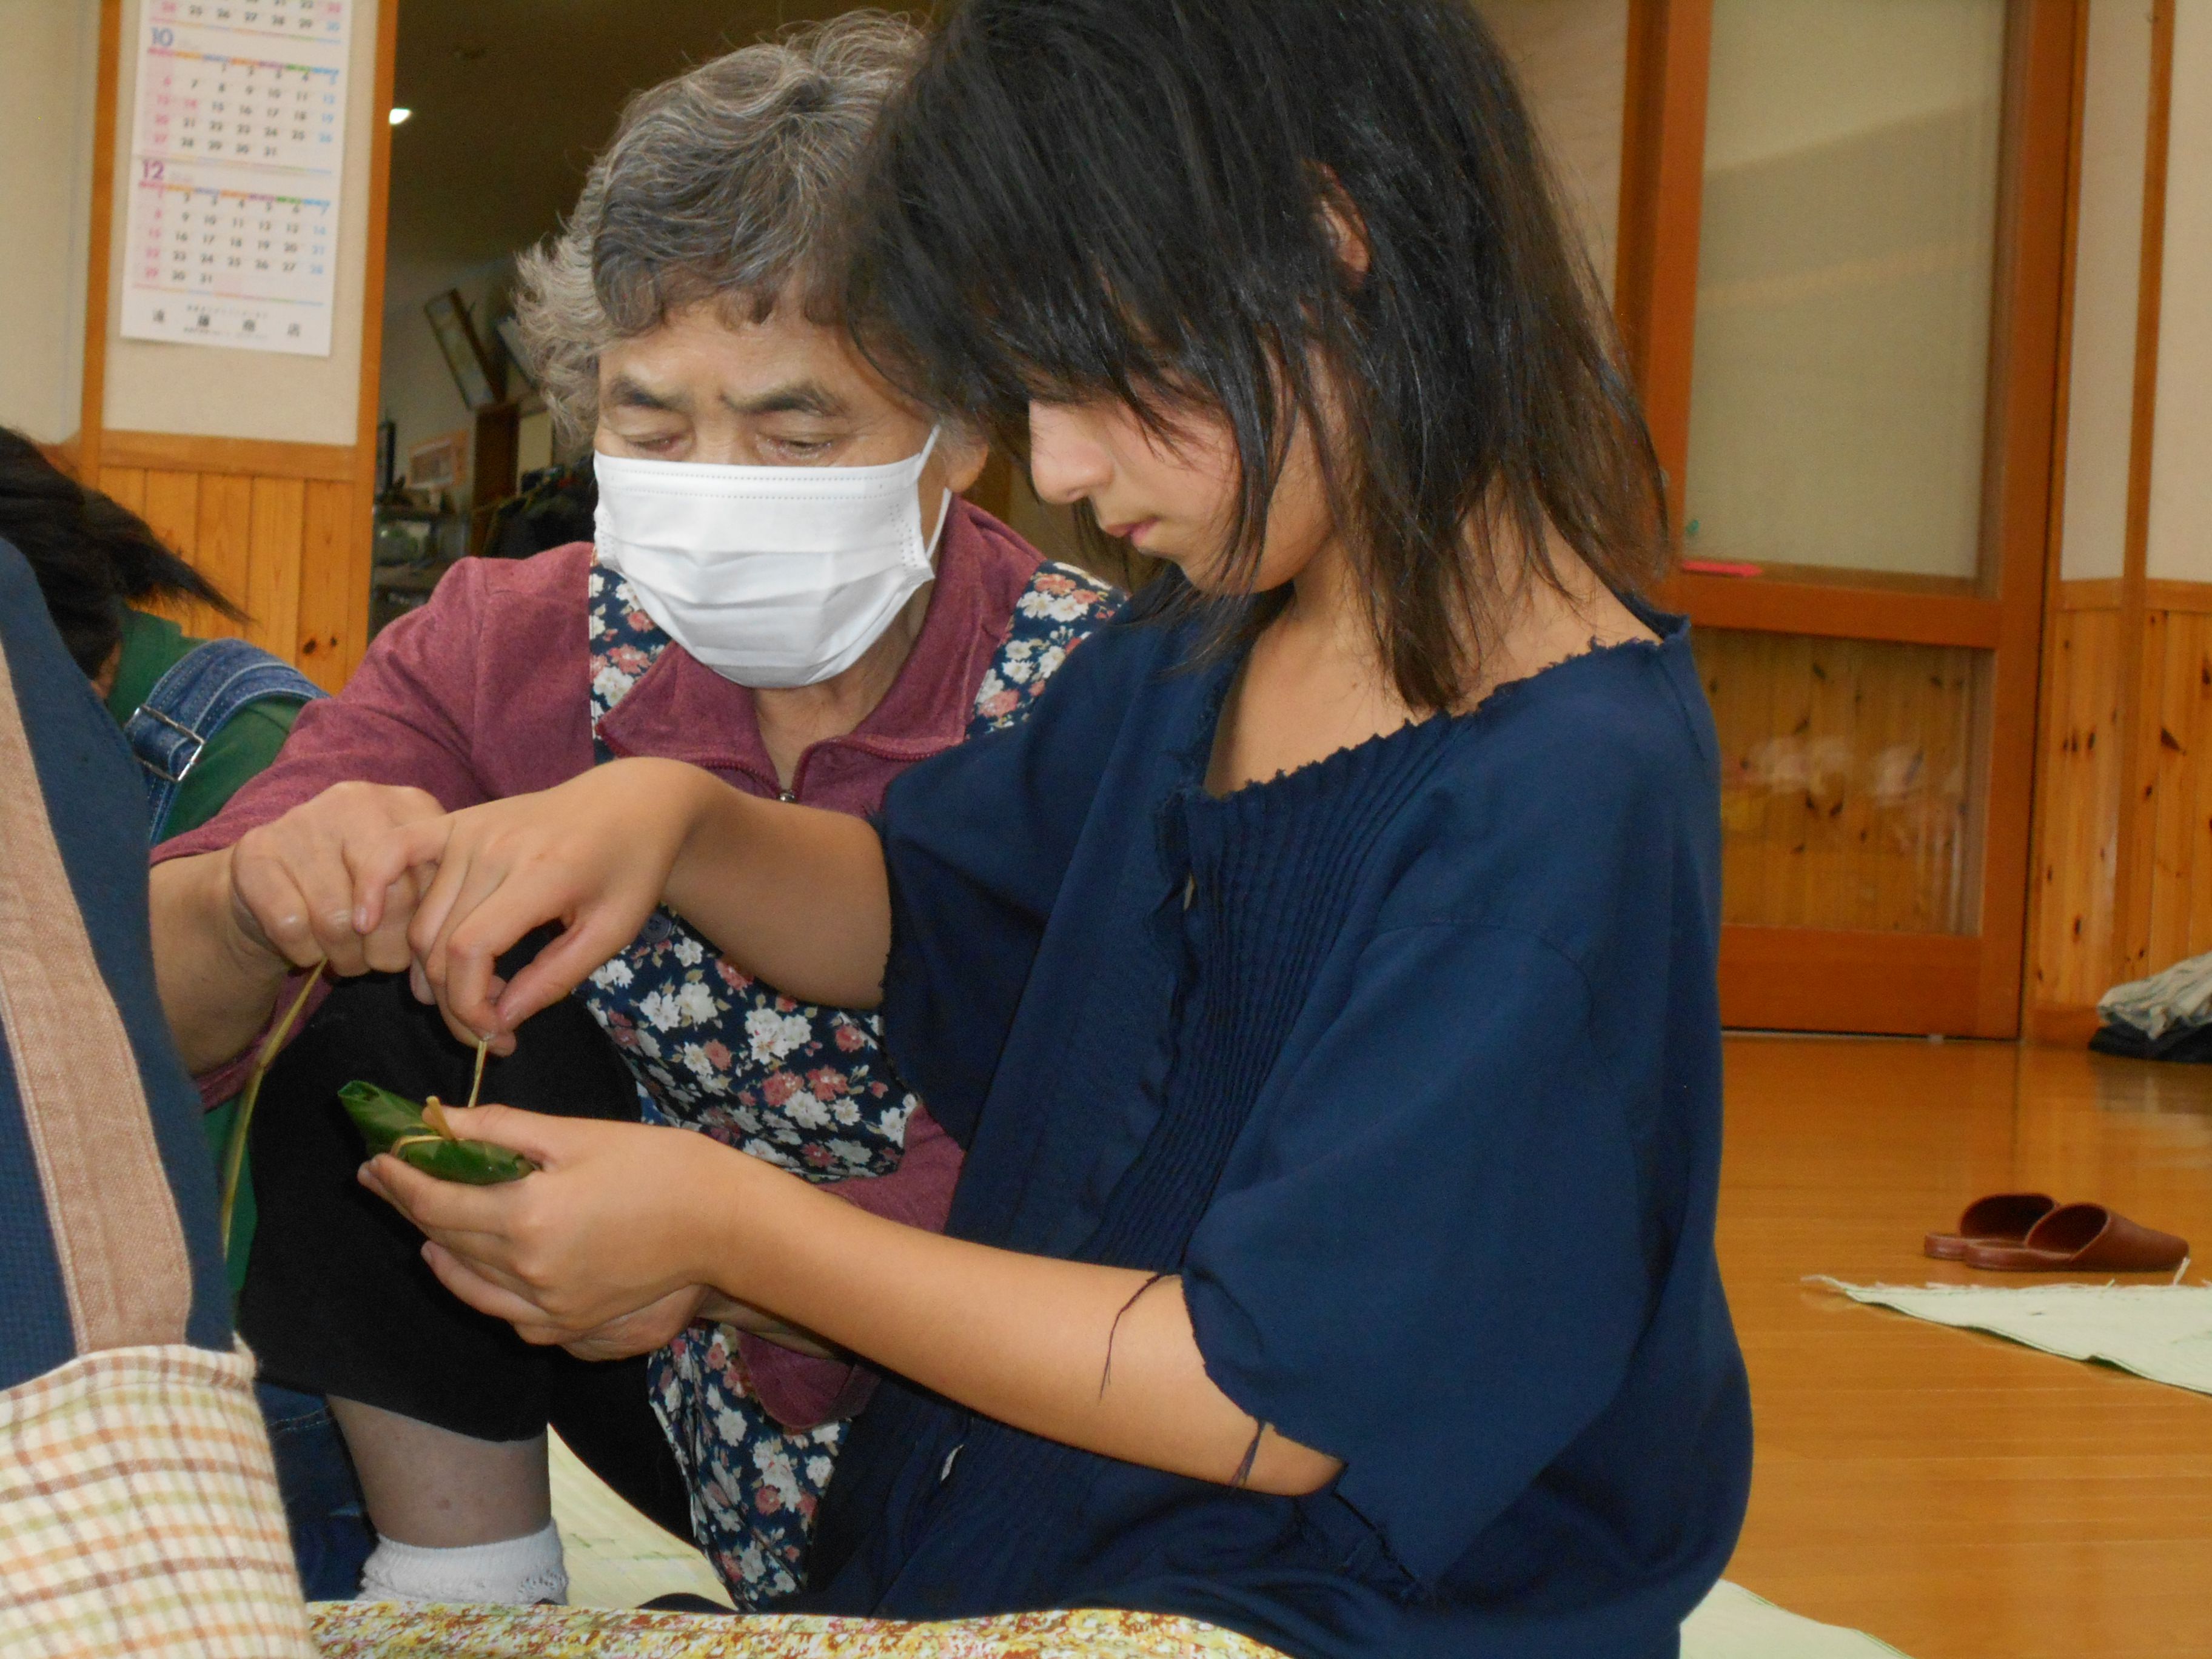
(1321, 979)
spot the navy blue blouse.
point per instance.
(1408, 1063)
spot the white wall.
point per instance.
(2180, 540)
(1572, 59)
(49, 66)
(218, 392)
(416, 393)
(2107, 261)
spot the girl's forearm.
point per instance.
(1020, 1338)
(799, 894)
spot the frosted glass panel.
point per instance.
(1844, 283)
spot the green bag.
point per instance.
(390, 1123)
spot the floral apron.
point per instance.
(804, 1088)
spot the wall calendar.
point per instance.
(237, 158)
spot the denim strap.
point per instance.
(191, 703)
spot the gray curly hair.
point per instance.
(720, 185)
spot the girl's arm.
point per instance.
(798, 895)
(617, 1215)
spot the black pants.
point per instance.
(338, 1299)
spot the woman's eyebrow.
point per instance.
(631, 393)
(793, 398)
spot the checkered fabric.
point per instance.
(348, 1630)
(139, 1515)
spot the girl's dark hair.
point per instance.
(1146, 199)
(92, 557)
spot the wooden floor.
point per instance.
(1960, 1497)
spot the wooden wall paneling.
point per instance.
(223, 549)
(125, 485)
(325, 613)
(172, 512)
(275, 546)
(2079, 842)
(2193, 683)
(2139, 672)
(1900, 767)
(1846, 771)
(2173, 800)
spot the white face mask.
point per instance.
(770, 575)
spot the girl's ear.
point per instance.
(1344, 225)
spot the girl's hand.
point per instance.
(601, 1244)
(593, 854)
(652, 1327)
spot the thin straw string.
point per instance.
(234, 1151)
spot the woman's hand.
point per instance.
(229, 926)
(593, 854)
(293, 881)
(601, 1244)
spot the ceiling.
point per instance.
(511, 101)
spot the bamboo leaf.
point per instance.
(392, 1123)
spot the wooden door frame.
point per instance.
(1817, 979)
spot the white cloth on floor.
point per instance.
(2162, 1332)
(618, 1558)
(1734, 1624)
(2179, 995)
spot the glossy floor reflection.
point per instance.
(1956, 1494)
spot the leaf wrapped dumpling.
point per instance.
(392, 1123)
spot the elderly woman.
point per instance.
(785, 590)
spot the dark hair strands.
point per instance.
(92, 557)
(1133, 199)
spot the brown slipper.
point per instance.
(2000, 1219)
(2083, 1238)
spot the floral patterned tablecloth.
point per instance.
(350, 1630)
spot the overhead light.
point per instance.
(399, 115)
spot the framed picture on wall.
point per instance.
(438, 462)
(474, 371)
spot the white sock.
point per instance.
(515, 1572)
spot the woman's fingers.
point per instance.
(384, 945)
(268, 901)
(381, 860)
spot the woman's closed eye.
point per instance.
(799, 452)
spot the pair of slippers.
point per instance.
(2033, 1233)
